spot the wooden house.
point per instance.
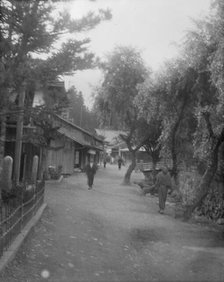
(71, 148)
(76, 145)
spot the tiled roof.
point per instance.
(78, 135)
(72, 135)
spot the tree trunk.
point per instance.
(19, 135)
(174, 152)
(206, 180)
(131, 167)
(154, 163)
(2, 139)
(220, 170)
(3, 110)
(174, 159)
(174, 172)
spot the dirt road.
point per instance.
(114, 233)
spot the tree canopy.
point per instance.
(79, 113)
(123, 70)
(189, 95)
(29, 28)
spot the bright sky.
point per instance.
(154, 27)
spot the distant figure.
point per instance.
(104, 163)
(163, 183)
(111, 160)
(90, 171)
(119, 161)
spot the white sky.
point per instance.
(151, 26)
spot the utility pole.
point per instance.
(3, 116)
(19, 134)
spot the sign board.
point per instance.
(92, 152)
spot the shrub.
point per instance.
(213, 205)
(54, 172)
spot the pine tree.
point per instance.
(31, 52)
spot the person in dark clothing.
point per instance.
(90, 171)
(104, 163)
(119, 161)
(163, 183)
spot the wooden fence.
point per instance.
(16, 212)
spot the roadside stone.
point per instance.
(178, 211)
(71, 265)
(45, 274)
(220, 221)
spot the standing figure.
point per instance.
(104, 163)
(119, 161)
(90, 171)
(163, 183)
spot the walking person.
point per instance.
(90, 171)
(104, 163)
(119, 161)
(163, 183)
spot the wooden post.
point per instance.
(6, 177)
(19, 135)
(34, 169)
(40, 171)
(24, 167)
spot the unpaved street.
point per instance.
(114, 233)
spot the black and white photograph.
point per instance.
(111, 140)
